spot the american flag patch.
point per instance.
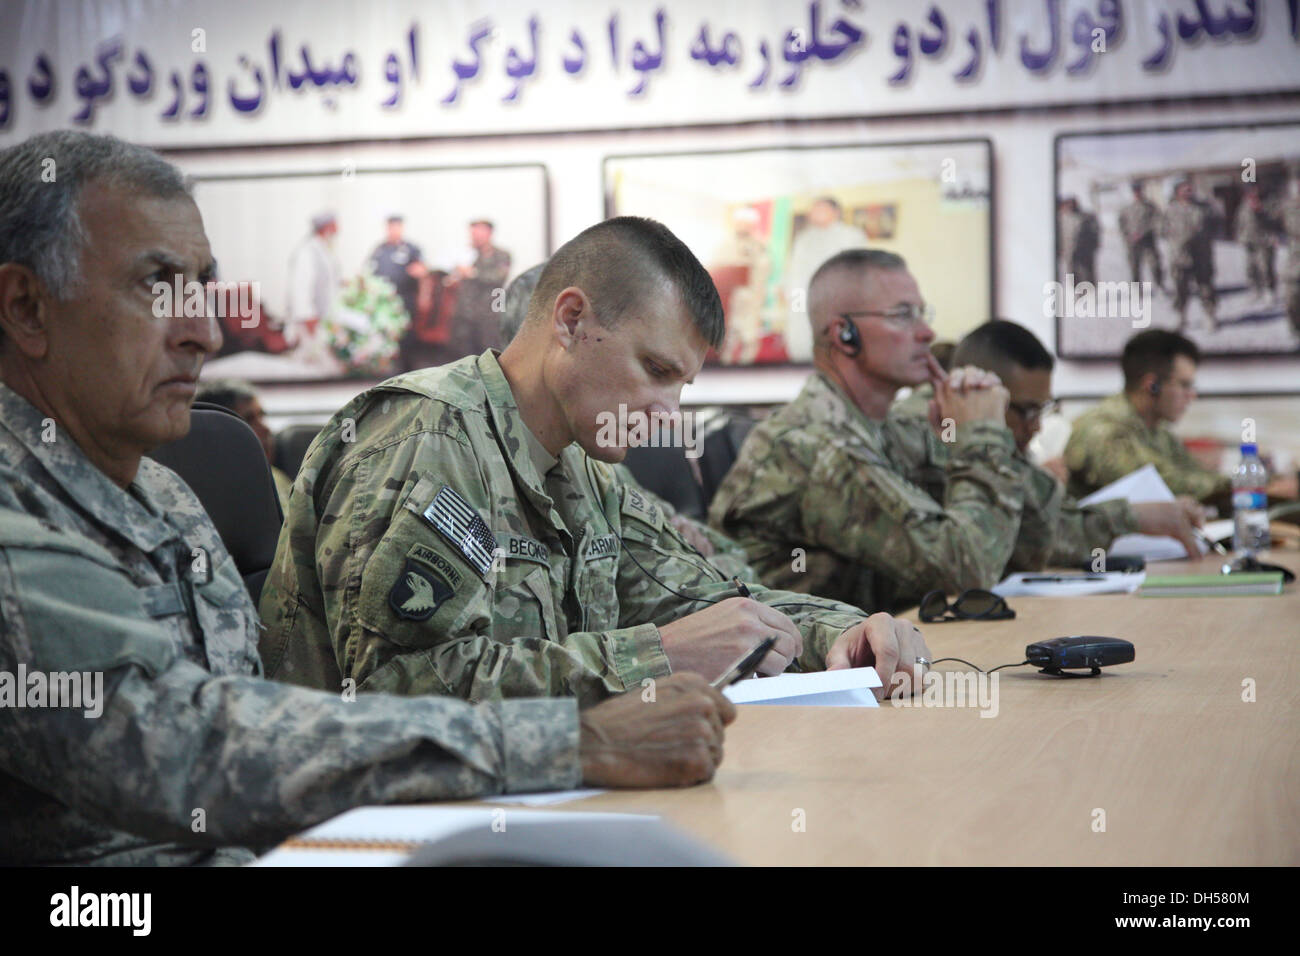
(461, 525)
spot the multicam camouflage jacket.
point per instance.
(423, 553)
(1111, 440)
(191, 754)
(876, 513)
(1054, 528)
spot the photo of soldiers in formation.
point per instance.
(1201, 225)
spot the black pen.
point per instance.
(740, 586)
(1037, 579)
(746, 664)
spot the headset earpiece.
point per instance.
(850, 337)
(1155, 388)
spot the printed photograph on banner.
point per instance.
(763, 220)
(350, 272)
(1193, 229)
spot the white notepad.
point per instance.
(1145, 484)
(846, 688)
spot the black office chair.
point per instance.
(722, 440)
(291, 447)
(225, 465)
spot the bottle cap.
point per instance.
(1249, 448)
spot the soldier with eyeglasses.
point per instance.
(835, 495)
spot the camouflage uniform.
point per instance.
(1289, 214)
(1109, 441)
(1191, 260)
(1054, 528)
(474, 325)
(728, 558)
(442, 552)
(97, 579)
(879, 512)
(1137, 223)
(1253, 234)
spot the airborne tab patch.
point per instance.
(418, 592)
(462, 526)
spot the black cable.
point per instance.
(981, 670)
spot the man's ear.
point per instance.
(571, 306)
(24, 309)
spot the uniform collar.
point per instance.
(134, 514)
(514, 437)
(832, 406)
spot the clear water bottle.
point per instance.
(1249, 503)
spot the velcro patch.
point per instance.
(418, 592)
(638, 506)
(602, 546)
(432, 558)
(462, 526)
(519, 547)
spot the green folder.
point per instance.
(1211, 585)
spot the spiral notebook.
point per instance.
(387, 836)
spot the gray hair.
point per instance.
(41, 180)
(518, 293)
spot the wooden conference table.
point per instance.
(1184, 770)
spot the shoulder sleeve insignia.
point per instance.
(418, 592)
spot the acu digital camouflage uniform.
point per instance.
(829, 501)
(97, 579)
(442, 552)
(1110, 441)
(1138, 222)
(1054, 528)
(1187, 226)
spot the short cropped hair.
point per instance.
(1000, 346)
(618, 264)
(41, 180)
(1154, 351)
(857, 260)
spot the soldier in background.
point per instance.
(1188, 225)
(1080, 236)
(1289, 216)
(400, 263)
(1138, 222)
(474, 322)
(877, 508)
(1128, 431)
(1255, 233)
(111, 569)
(1055, 529)
(458, 531)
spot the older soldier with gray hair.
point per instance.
(111, 570)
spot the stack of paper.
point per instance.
(846, 688)
(1145, 484)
